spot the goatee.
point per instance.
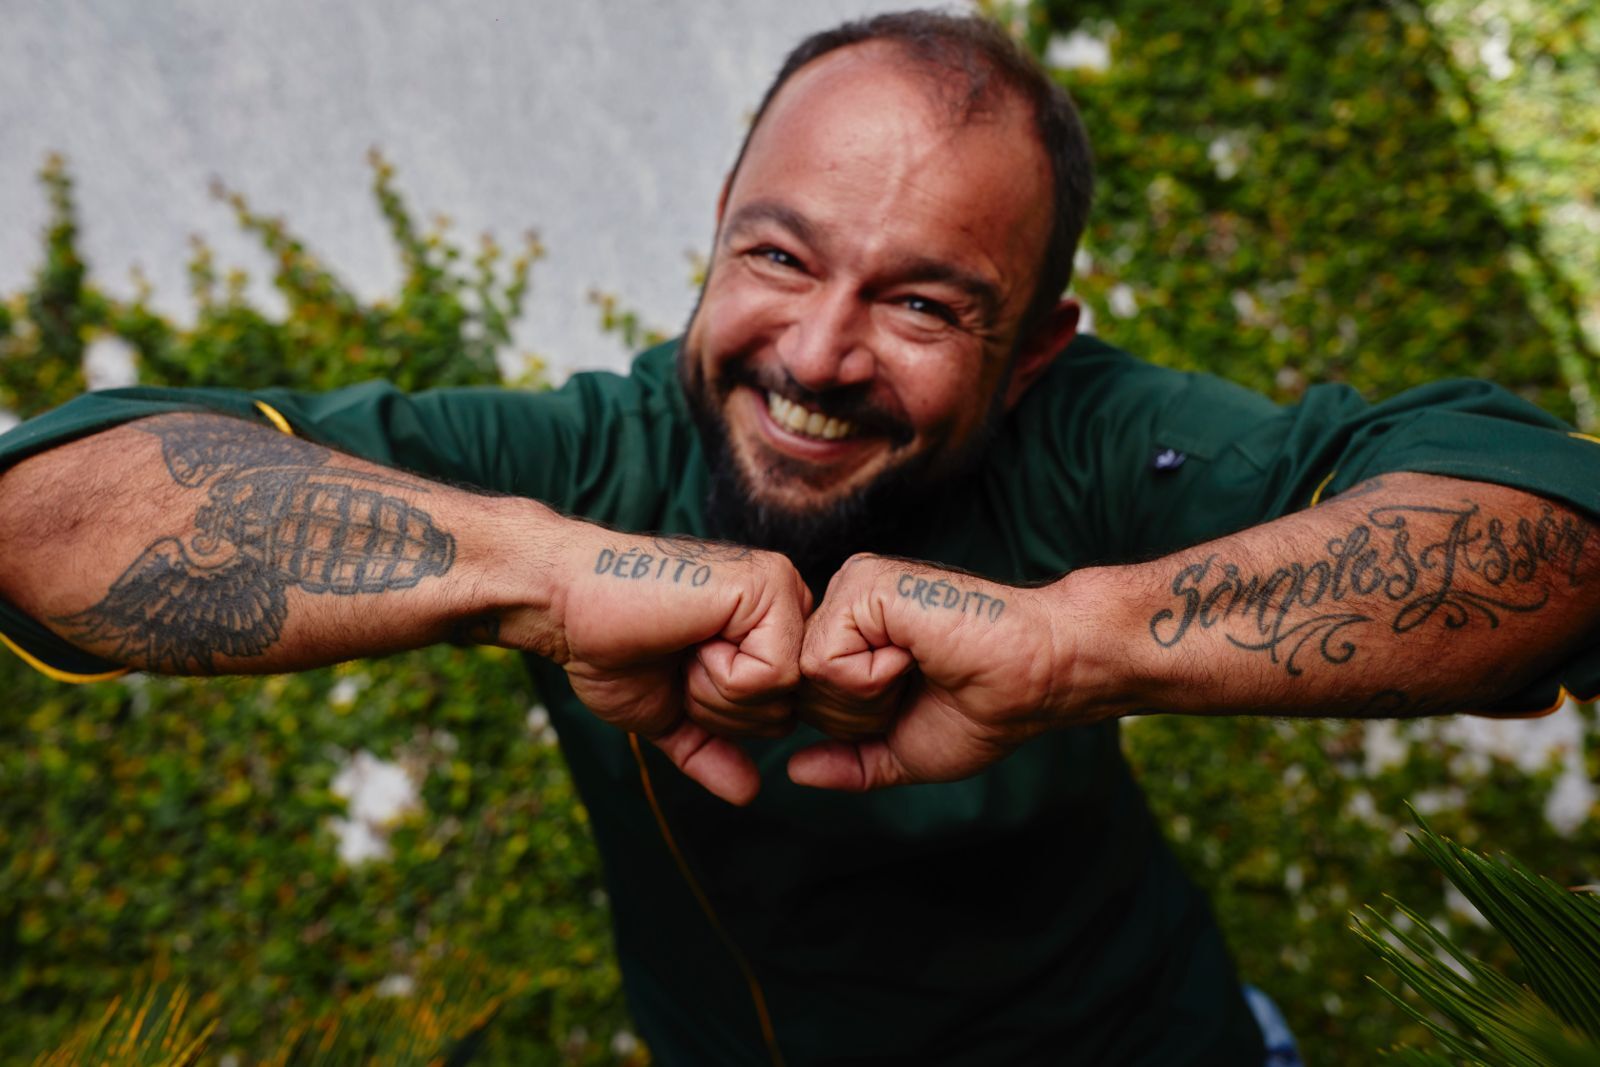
(873, 518)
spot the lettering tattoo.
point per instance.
(941, 595)
(635, 564)
(1405, 566)
(277, 517)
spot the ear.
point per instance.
(1038, 351)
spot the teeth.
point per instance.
(800, 420)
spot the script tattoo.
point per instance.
(277, 517)
(1463, 566)
(942, 595)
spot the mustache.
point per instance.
(852, 404)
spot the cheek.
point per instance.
(942, 402)
(733, 308)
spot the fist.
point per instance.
(688, 643)
(922, 674)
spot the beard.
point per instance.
(818, 539)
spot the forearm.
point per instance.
(1407, 595)
(191, 543)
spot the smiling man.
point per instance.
(880, 362)
(874, 301)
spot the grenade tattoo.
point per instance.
(277, 517)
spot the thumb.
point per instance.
(850, 766)
(715, 762)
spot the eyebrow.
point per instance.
(912, 269)
(758, 211)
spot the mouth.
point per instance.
(806, 422)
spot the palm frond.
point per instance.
(1478, 1016)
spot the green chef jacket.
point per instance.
(1030, 914)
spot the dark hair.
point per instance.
(988, 62)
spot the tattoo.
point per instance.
(692, 548)
(944, 596)
(1479, 568)
(277, 517)
(635, 564)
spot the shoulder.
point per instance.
(1098, 395)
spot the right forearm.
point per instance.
(202, 544)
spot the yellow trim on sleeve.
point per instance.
(1561, 699)
(1316, 497)
(56, 673)
(1591, 438)
(275, 417)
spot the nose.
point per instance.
(826, 346)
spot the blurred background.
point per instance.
(1378, 192)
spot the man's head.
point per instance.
(890, 252)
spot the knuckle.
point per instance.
(813, 664)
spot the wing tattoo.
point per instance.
(276, 516)
(172, 614)
(211, 445)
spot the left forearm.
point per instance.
(1407, 595)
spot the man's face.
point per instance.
(873, 259)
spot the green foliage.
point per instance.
(42, 331)
(1528, 70)
(1289, 194)
(624, 323)
(185, 828)
(1488, 1020)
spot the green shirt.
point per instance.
(1028, 914)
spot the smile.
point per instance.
(801, 420)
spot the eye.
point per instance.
(932, 308)
(776, 256)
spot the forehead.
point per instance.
(865, 136)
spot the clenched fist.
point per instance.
(926, 675)
(688, 643)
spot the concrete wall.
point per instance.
(605, 124)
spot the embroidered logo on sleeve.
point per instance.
(1167, 459)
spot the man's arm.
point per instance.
(1409, 594)
(201, 544)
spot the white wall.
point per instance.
(605, 124)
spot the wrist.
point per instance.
(1102, 669)
(519, 584)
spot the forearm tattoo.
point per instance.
(1403, 567)
(276, 517)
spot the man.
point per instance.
(879, 361)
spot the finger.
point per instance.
(715, 762)
(851, 766)
(737, 726)
(707, 705)
(863, 674)
(727, 678)
(759, 652)
(845, 717)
